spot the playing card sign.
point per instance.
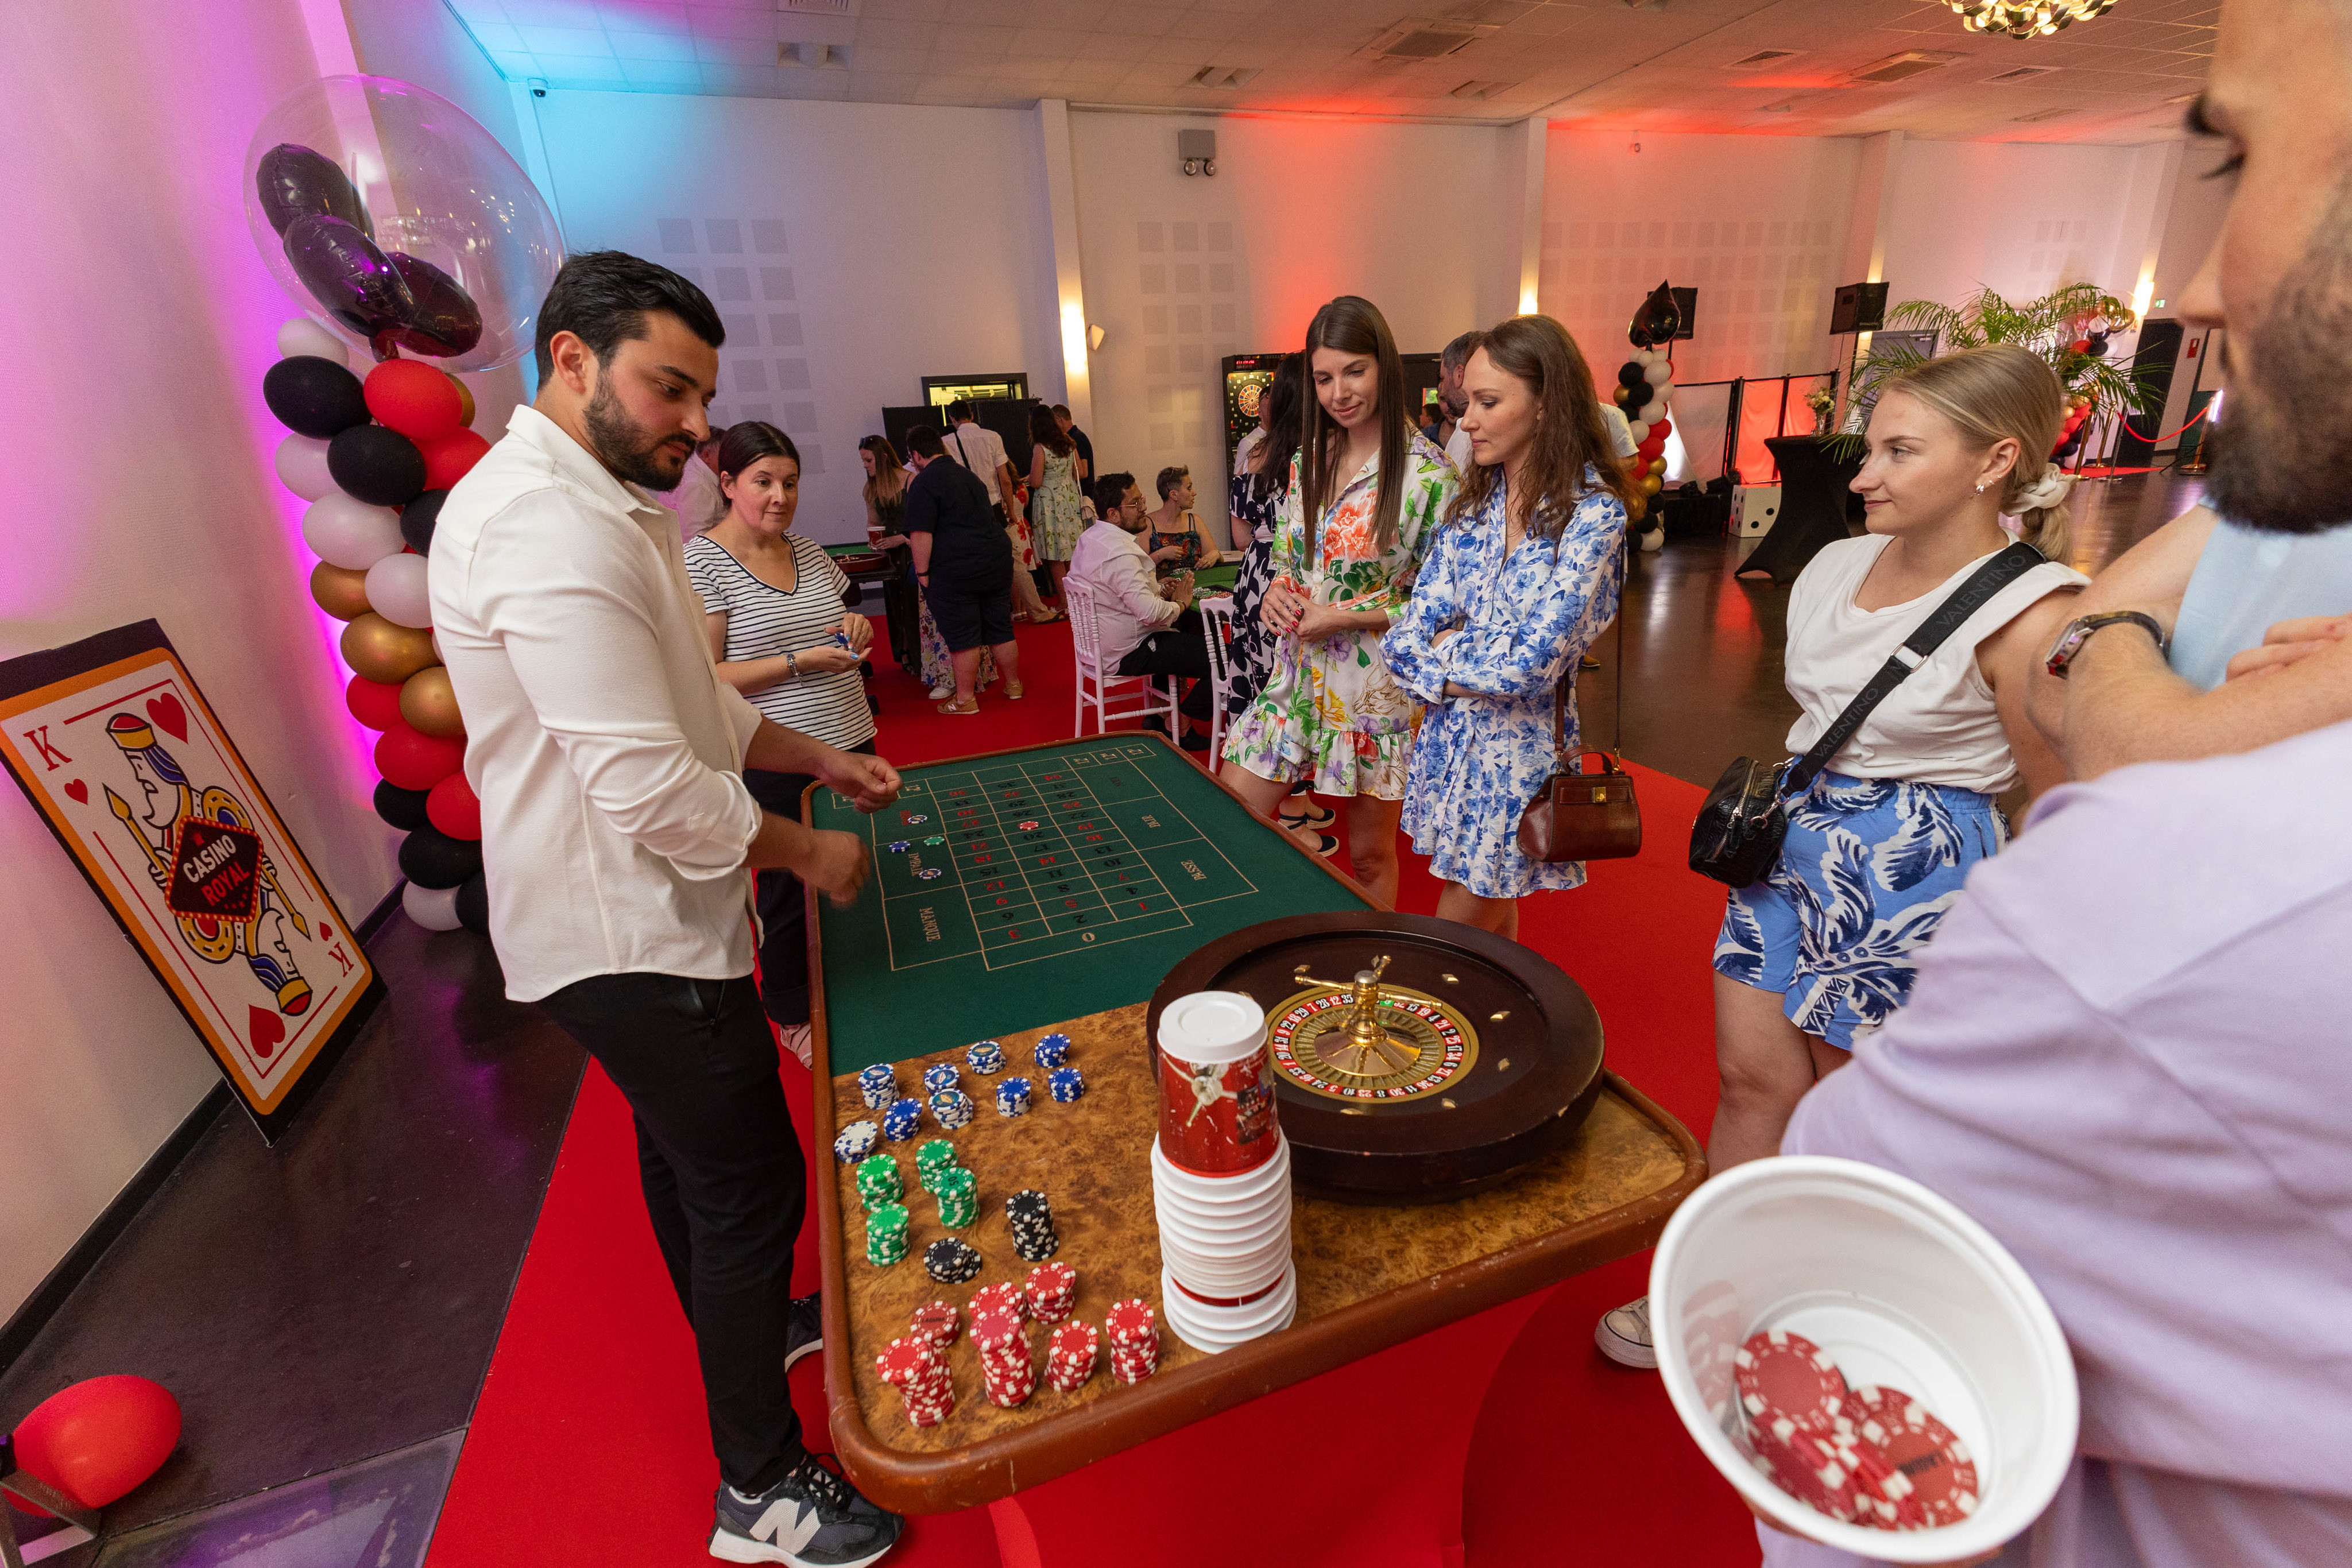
(130, 767)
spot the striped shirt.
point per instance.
(764, 621)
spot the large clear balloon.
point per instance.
(397, 215)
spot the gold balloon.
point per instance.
(1653, 485)
(1657, 465)
(429, 703)
(465, 401)
(341, 593)
(381, 650)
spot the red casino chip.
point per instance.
(1816, 1471)
(1784, 1374)
(1131, 1321)
(937, 1325)
(997, 1332)
(1003, 1296)
(1932, 1479)
(903, 1361)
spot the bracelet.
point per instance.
(793, 660)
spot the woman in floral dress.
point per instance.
(1519, 579)
(1054, 513)
(1365, 490)
(1258, 502)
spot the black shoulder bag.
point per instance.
(1738, 836)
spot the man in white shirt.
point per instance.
(618, 839)
(1142, 631)
(981, 450)
(1453, 399)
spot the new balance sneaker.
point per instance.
(811, 1519)
(1624, 1336)
(803, 1328)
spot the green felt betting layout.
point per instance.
(1041, 885)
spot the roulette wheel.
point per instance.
(1416, 1059)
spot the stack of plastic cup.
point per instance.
(1221, 1176)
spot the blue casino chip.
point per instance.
(901, 846)
(1065, 1084)
(900, 1122)
(929, 872)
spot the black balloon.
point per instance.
(1638, 396)
(430, 858)
(294, 181)
(380, 466)
(446, 321)
(474, 903)
(2099, 349)
(403, 809)
(313, 396)
(418, 519)
(348, 275)
(1658, 320)
(1629, 374)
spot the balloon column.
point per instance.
(405, 222)
(1645, 385)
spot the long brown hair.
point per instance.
(1569, 435)
(890, 476)
(1046, 430)
(1352, 325)
(1284, 396)
(1995, 393)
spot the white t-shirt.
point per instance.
(696, 499)
(1249, 443)
(1620, 432)
(980, 449)
(1939, 726)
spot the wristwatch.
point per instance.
(2078, 631)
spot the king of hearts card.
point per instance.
(118, 751)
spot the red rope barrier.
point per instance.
(2160, 440)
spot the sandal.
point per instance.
(959, 710)
(1311, 817)
(1014, 691)
(1046, 618)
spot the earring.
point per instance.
(1980, 489)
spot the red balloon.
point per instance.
(448, 458)
(413, 761)
(97, 1439)
(1660, 429)
(374, 704)
(415, 399)
(453, 807)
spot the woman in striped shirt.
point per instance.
(782, 638)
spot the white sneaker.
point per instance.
(1624, 1336)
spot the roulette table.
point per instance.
(1484, 1159)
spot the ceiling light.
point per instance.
(1910, 63)
(1481, 90)
(1422, 40)
(1762, 58)
(2027, 18)
(820, 7)
(1778, 109)
(1224, 76)
(2019, 74)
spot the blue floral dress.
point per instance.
(1523, 622)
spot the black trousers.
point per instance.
(725, 1187)
(782, 903)
(1177, 651)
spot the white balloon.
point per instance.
(1641, 429)
(1655, 370)
(434, 908)
(1655, 539)
(397, 590)
(303, 335)
(1665, 393)
(350, 533)
(303, 467)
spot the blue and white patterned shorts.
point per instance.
(1864, 876)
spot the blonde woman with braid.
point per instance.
(1822, 951)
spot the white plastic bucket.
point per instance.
(1902, 1290)
(1213, 1329)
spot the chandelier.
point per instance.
(2027, 18)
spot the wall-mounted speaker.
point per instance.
(1858, 307)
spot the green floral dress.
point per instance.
(1054, 513)
(1329, 710)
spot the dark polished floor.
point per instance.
(325, 1310)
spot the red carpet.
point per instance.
(588, 1445)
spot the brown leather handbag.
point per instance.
(1576, 815)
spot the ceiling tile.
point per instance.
(1032, 44)
(741, 81)
(515, 65)
(683, 76)
(750, 52)
(891, 33)
(496, 36)
(667, 47)
(904, 10)
(722, 21)
(584, 41)
(985, 43)
(580, 70)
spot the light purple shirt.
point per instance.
(2128, 1055)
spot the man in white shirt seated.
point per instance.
(1142, 632)
(618, 841)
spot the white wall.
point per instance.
(1183, 271)
(852, 248)
(139, 323)
(2019, 218)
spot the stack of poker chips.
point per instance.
(886, 1235)
(937, 1324)
(919, 1371)
(900, 1122)
(1000, 1297)
(933, 1158)
(1052, 1050)
(1065, 1084)
(855, 1142)
(986, 1058)
(1134, 1340)
(877, 1085)
(950, 1262)
(1012, 1097)
(1868, 1456)
(958, 1191)
(1006, 1369)
(937, 1076)
(952, 1109)
(1051, 1290)
(1032, 1219)
(878, 1182)
(1070, 1357)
